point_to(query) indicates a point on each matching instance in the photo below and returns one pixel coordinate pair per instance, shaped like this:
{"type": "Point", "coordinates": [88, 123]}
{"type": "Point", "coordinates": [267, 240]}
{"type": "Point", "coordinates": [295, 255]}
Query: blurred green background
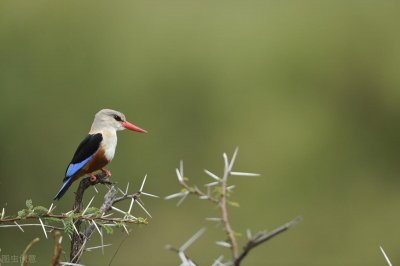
{"type": "Point", "coordinates": [309, 91]}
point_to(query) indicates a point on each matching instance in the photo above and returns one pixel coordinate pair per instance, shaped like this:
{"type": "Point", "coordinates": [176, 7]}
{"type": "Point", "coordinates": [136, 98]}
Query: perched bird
{"type": "Point", "coordinates": [97, 149]}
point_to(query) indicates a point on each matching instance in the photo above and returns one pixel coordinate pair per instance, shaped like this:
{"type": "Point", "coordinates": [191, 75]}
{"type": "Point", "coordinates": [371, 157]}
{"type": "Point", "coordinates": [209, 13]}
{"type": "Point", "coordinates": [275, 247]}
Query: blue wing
{"type": "Point", "coordinates": [75, 167]}
{"type": "Point", "coordinates": [85, 151]}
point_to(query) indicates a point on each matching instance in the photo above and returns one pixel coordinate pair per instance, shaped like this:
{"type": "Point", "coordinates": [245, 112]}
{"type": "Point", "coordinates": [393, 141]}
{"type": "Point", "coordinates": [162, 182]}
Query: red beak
{"type": "Point", "coordinates": [132, 127]}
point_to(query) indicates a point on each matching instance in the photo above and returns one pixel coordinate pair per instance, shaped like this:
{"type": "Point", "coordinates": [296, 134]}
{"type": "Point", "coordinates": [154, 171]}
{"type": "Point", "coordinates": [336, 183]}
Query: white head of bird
{"type": "Point", "coordinates": [107, 119]}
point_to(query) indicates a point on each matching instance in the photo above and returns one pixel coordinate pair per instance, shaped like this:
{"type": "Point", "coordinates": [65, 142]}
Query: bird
{"type": "Point", "coordinates": [97, 149]}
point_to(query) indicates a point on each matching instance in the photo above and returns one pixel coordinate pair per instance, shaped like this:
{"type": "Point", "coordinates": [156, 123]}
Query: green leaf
{"type": "Point", "coordinates": [108, 229]}
{"type": "Point", "coordinates": [234, 204]}
{"type": "Point", "coordinates": [68, 227]}
{"type": "Point", "coordinates": [29, 204]}
{"type": "Point", "coordinates": [142, 220]}
{"type": "Point", "coordinates": [23, 213]}
{"type": "Point", "coordinates": [40, 210]}
{"type": "Point", "coordinates": [92, 211]}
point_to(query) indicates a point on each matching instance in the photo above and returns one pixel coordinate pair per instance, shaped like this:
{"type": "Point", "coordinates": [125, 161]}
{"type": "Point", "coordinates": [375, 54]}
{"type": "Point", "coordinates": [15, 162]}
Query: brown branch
{"type": "Point", "coordinates": [55, 259]}
{"type": "Point", "coordinates": [225, 219]}
{"type": "Point", "coordinates": [78, 240]}
{"type": "Point", "coordinates": [24, 260]}
{"type": "Point", "coordinates": [108, 202]}
{"type": "Point", "coordinates": [262, 237]}
{"type": "Point", "coordinates": [81, 217]}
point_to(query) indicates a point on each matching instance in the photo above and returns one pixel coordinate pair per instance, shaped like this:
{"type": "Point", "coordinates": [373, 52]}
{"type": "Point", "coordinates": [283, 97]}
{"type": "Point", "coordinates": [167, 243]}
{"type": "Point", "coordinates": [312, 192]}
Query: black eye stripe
{"type": "Point", "coordinates": [117, 117]}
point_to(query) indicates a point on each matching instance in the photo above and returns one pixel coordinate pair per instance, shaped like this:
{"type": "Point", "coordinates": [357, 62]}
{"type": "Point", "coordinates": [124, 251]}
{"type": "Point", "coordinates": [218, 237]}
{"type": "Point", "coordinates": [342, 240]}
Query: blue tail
{"type": "Point", "coordinates": [64, 188]}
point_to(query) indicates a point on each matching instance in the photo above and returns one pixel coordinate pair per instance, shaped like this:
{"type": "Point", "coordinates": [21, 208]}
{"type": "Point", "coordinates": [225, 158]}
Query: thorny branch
{"type": "Point", "coordinates": [79, 239]}
{"type": "Point", "coordinates": [220, 197]}
{"type": "Point", "coordinates": [262, 237]}
{"type": "Point", "coordinates": [95, 218]}
{"type": "Point", "coordinates": [223, 205]}
{"type": "Point", "coordinates": [64, 216]}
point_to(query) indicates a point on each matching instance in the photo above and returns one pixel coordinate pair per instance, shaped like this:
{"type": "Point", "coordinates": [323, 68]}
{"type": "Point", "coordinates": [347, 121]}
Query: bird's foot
{"type": "Point", "coordinates": [93, 178]}
{"type": "Point", "coordinates": [106, 172]}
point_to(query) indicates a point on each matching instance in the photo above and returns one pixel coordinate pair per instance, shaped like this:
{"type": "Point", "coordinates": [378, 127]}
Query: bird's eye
{"type": "Point", "coordinates": [117, 117]}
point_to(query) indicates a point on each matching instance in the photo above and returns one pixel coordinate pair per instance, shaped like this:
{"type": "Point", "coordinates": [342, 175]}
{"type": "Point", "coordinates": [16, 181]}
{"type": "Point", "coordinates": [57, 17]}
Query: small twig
{"type": "Point", "coordinates": [24, 259]}
{"type": "Point", "coordinates": [119, 246]}
{"type": "Point", "coordinates": [22, 225]}
{"type": "Point", "coordinates": [262, 237]}
{"type": "Point", "coordinates": [224, 208]}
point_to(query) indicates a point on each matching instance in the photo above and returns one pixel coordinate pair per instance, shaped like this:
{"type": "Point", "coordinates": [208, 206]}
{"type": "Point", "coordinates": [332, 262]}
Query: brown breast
{"type": "Point", "coordinates": [97, 162]}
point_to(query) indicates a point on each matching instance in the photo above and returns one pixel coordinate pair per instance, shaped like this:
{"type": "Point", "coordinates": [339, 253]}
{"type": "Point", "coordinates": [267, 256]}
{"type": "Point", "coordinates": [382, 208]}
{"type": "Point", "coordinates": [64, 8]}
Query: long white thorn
{"type": "Point", "coordinates": [120, 190]}
{"type": "Point", "coordinates": [148, 194]}
{"type": "Point", "coordinates": [192, 239]}
{"type": "Point", "coordinates": [95, 189]}
{"type": "Point", "coordinates": [107, 215]}
{"type": "Point", "coordinates": [233, 158]}
{"type": "Point", "coordinates": [70, 263]}
{"type": "Point", "coordinates": [130, 206]}
{"type": "Point", "coordinates": [223, 244]}
{"type": "Point", "coordinates": [126, 190]}
{"type": "Point", "coordinates": [211, 184]}
{"type": "Point", "coordinates": [178, 174]}
{"type": "Point", "coordinates": [183, 198]}
{"type": "Point", "coordinates": [2, 213]}
{"type": "Point", "coordinates": [230, 188]}
{"type": "Point", "coordinates": [183, 258]}
{"type": "Point", "coordinates": [44, 229]}
{"type": "Point", "coordinates": [97, 228]}
{"type": "Point", "coordinates": [126, 230]}
{"type": "Point", "coordinates": [226, 161]}
{"type": "Point", "coordinates": [76, 230]}
{"type": "Point", "coordinates": [213, 219]}
{"type": "Point", "coordinates": [244, 174]}
{"type": "Point", "coordinates": [118, 210]}
{"type": "Point", "coordinates": [386, 257]}
{"type": "Point", "coordinates": [181, 167]}
{"type": "Point", "coordinates": [144, 209]}
{"type": "Point", "coordinates": [144, 181]}
{"type": "Point", "coordinates": [212, 175]}
{"type": "Point", "coordinates": [50, 208]}
{"type": "Point", "coordinates": [97, 247]}
{"type": "Point", "coordinates": [218, 262]}
{"type": "Point", "coordinates": [175, 195]}
{"type": "Point", "coordinates": [248, 233]}
{"type": "Point", "coordinates": [20, 228]}
{"type": "Point", "coordinates": [87, 207]}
